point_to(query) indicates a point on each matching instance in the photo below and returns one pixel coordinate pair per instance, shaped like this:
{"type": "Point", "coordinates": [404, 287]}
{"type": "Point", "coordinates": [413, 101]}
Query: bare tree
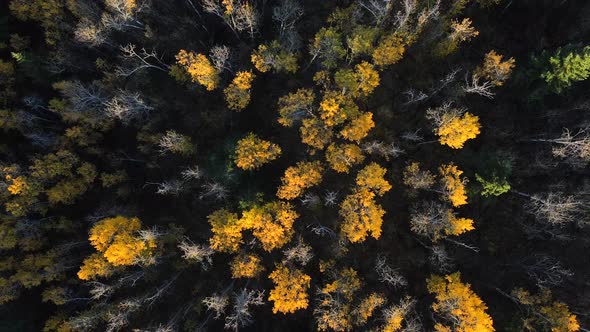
{"type": "Point", "coordinates": [192, 173]}
{"type": "Point", "coordinates": [99, 290]}
{"type": "Point", "coordinates": [241, 315]}
{"type": "Point", "coordinates": [300, 253]}
{"type": "Point", "coordinates": [215, 190]}
{"type": "Point", "coordinates": [122, 14]}
{"type": "Point", "coordinates": [476, 85]}
{"type": "Point", "coordinates": [556, 208]}
{"type": "Point", "coordinates": [126, 107]}
{"type": "Point", "coordinates": [378, 9]}
{"type": "Point", "coordinates": [546, 271]}
{"type": "Point", "coordinates": [196, 252]}
{"type": "Point", "coordinates": [286, 14]}
{"type": "Point", "coordinates": [221, 58]}
{"type": "Point", "coordinates": [176, 143]}
{"type": "Point", "coordinates": [412, 136]}
{"type": "Point", "coordinates": [386, 151]}
{"type": "Point", "coordinates": [389, 275]}
{"type": "Point", "coordinates": [242, 16]}
{"type": "Point", "coordinates": [440, 258]}
{"type": "Point", "coordinates": [89, 32]}
{"type": "Point", "coordinates": [573, 147]}
{"type": "Point", "coordinates": [310, 200]}
{"type": "Point", "coordinates": [330, 198]}
{"type": "Point", "coordinates": [169, 187]}
{"type": "Point", "coordinates": [140, 60]}
{"type": "Point", "coordinates": [216, 303]}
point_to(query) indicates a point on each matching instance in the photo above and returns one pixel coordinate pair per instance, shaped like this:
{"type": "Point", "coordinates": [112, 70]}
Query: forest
{"type": "Point", "coordinates": [295, 165]}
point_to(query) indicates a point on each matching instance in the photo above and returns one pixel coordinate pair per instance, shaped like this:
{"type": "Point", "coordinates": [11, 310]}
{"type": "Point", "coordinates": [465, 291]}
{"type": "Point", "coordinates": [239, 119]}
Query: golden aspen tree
{"type": "Point", "coordinates": [333, 311]}
{"type": "Point", "coordinates": [116, 245]}
{"type": "Point", "coordinates": [461, 31]}
{"type": "Point", "coordinates": [390, 50]}
{"type": "Point", "coordinates": [395, 315]}
{"type": "Point", "coordinates": [331, 110]}
{"type": "Point", "coordinates": [104, 232]}
{"type": "Point", "coordinates": [295, 106]}
{"type": "Point", "coordinates": [544, 312]}
{"type": "Point", "coordinates": [494, 69]}
{"type": "Point", "coordinates": [359, 83]}
{"type": "Point", "coordinates": [460, 308]}
{"type": "Point", "coordinates": [361, 216]}
{"type": "Point", "coordinates": [297, 178]}
{"type": "Point", "coordinates": [315, 133]}
{"type": "Point", "coordinates": [367, 307]}
{"type": "Point", "coordinates": [290, 291]}
{"type": "Point", "coordinates": [271, 223]}
{"type": "Point", "coordinates": [199, 68]}
{"type": "Point", "coordinates": [455, 131]}
{"type": "Point", "coordinates": [245, 266]}
{"type": "Point", "coordinates": [253, 152]}
{"type": "Point", "coordinates": [358, 128]}
{"type": "Point", "coordinates": [95, 266]}
{"type": "Point", "coordinates": [273, 56]}
{"type": "Point", "coordinates": [343, 156]}
{"type": "Point", "coordinates": [237, 94]}
{"type": "Point", "coordinates": [327, 46]}
{"type": "Point", "coordinates": [372, 177]}
{"type": "Point", "coordinates": [226, 229]}
{"type": "Point", "coordinates": [361, 41]}
{"type": "Point", "coordinates": [453, 184]}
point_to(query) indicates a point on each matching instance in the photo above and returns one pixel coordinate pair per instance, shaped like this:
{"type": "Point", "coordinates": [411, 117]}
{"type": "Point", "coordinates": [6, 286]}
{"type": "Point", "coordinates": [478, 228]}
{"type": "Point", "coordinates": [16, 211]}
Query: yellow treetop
{"type": "Point", "coordinates": [95, 266]}
{"type": "Point", "coordinates": [124, 250]}
{"type": "Point", "coordinates": [237, 94]}
{"type": "Point", "coordinates": [463, 31]}
{"type": "Point", "coordinates": [227, 231]}
{"type": "Point", "coordinates": [345, 285]}
{"type": "Point", "coordinates": [330, 110]}
{"type": "Point", "coordinates": [367, 307]}
{"type": "Point", "coordinates": [456, 130]}
{"type": "Point", "coordinates": [494, 69]}
{"type": "Point", "coordinates": [390, 50]}
{"type": "Point", "coordinates": [360, 82]}
{"type": "Point", "coordinates": [358, 128]}
{"type": "Point", "coordinates": [290, 291]}
{"type": "Point", "coordinates": [372, 178]}
{"type": "Point", "coordinates": [295, 106]}
{"type": "Point", "coordinates": [298, 178]}
{"type": "Point", "coordinates": [273, 56]}
{"type": "Point", "coordinates": [105, 231]}
{"type": "Point", "coordinates": [454, 185]}
{"type": "Point", "coordinates": [272, 223]}
{"type": "Point", "coordinates": [343, 156]}
{"type": "Point", "coordinates": [113, 237]}
{"type": "Point", "coordinates": [253, 152]}
{"type": "Point", "coordinates": [246, 266]}
{"type": "Point", "coordinates": [199, 68]}
{"type": "Point", "coordinates": [18, 185]}
{"type": "Point", "coordinates": [362, 216]}
{"type": "Point", "coordinates": [461, 308]}
{"type": "Point", "coordinates": [458, 226]}
{"type": "Point", "coordinates": [548, 314]}
{"type": "Point", "coordinates": [315, 133]}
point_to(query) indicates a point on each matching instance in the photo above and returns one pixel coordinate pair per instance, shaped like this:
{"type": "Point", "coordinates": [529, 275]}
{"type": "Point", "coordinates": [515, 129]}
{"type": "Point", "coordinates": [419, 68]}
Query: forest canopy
{"type": "Point", "coordinates": [294, 165]}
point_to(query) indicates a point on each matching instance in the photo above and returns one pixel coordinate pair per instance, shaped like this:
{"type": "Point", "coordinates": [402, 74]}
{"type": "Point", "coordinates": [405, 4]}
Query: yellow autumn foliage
{"type": "Point", "coordinates": [361, 216]}
{"type": "Point", "coordinates": [372, 178]}
{"type": "Point", "coordinates": [253, 152]}
{"type": "Point", "coordinates": [343, 156]}
{"type": "Point", "coordinates": [315, 133]}
{"type": "Point", "coordinates": [458, 305]}
{"type": "Point", "coordinates": [454, 132]}
{"type": "Point", "coordinates": [358, 128]}
{"type": "Point", "coordinates": [227, 231]}
{"type": "Point", "coordinates": [271, 223]}
{"type": "Point", "coordinates": [245, 266]}
{"type": "Point", "coordinates": [199, 68]}
{"type": "Point", "coordinates": [297, 178]}
{"type": "Point", "coordinates": [237, 93]}
{"type": "Point", "coordinates": [290, 291]}
{"type": "Point", "coordinates": [454, 185]}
